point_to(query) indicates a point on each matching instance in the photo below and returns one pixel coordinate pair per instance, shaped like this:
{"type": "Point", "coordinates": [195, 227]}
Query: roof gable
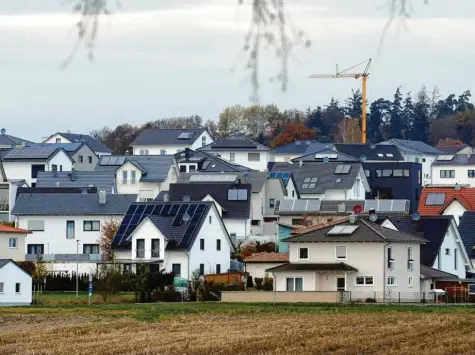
{"type": "Point", "coordinates": [164, 137]}
{"type": "Point", "coordinates": [417, 147]}
{"type": "Point", "coordinates": [33, 154]}
{"type": "Point", "coordinates": [7, 140]}
{"type": "Point", "coordinates": [236, 141]}
{"type": "Point", "coordinates": [372, 152]}
{"type": "Point", "coordinates": [208, 162]}
{"type": "Point", "coordinates": [94, 144]}
{"type": "Point", "coordinates": [4, 262]}
{"type": "Point", "coordinates": [299, 147]}
{"type": "Point", "coordinates": [467, 232]}
{"type": "Point", "coordinates": [466, 196]}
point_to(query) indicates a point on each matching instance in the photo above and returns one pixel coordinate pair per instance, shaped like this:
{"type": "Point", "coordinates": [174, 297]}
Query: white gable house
{"type": "Point", "coordinates": [15, 284]}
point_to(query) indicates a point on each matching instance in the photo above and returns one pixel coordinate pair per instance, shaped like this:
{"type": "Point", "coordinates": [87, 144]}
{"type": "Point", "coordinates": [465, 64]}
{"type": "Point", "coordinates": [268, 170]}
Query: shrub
{"type": "Point", "coordinates": [259, 283]}
{"type": "Point", "coordinates": [268, 283]}
{"type": "Point", "coordinates": [370, 300]}
{"type": "Point", "coordinates": [249, 284]}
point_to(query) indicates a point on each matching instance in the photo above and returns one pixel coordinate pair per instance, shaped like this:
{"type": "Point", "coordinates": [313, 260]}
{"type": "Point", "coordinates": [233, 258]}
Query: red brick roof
{"type": "Point", "coordinates": [8, 229]}
{"type": "Point", "coordinates": [466, 196]}
{"type": "Point", "coordinates": [318, 226]}
{"type": "Point", "coordinates": [268, 258]}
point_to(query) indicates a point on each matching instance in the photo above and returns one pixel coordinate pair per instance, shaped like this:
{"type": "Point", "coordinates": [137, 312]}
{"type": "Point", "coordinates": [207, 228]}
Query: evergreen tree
{"type": "Point", "coordinates": [331, 117]}
{"type": "Point", "coordinates": [420, 126]}
{"type": "Point", "coordinates": [377, 118]}
{"type": "Point", "coordinates": [353, 108]}
{"type": "Point", "coordinates": [407, 116]}
{"type": "Point", "coordinates": [314, 119]}
{"type": "Point", "coordinates": [463, 102]}
{"type": "Point", "coordinates": [395, 120]}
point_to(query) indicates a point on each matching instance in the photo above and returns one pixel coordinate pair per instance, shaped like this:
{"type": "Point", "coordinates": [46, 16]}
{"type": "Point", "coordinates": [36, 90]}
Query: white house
{"type": "Point", "coordinates": [170, 141]}
{"type": "Point", "coordinates": [286, 153]}
{"type": "Point", "coordinates": [12, 242]}
{"type": "Point", "coordinates": [417, 152]}
{"type": "Point", "coordinates": [327, 181]}
{"type": "Point", "coordinates": [84, 157]}
{"type": "Point", "coordinates": [454, 169]}
{"type": "Point", "coordinates": [181, 237]}
{"type": "Point", "coordinates": [66, 226]}
{"type": "Point", "coordinates": [25, 163]}
{"type": "Point", "coordinates": [257, 264]}
{"type": "Point", "coordinates": [68, 137]}
{"type": "Point", "coordinates": [15, 284]}
{"type": "Point", "coordinates": [360, 257]}
{"type": "Point", "coordinates": [240, 150]}
{"type": "Point", "coordinates": [445, 250]}
{"type": "Point", "coordinates": [199, 161]}
{"type": "Point", "coordinates": [144, 175]}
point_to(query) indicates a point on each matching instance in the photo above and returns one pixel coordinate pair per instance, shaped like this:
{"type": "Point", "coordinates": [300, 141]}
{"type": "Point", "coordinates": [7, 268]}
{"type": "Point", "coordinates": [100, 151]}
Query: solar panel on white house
{"type": "Point", "coordinates": [212, 177]}
{"type": "Point", "coordinates": [314, 205]}
{"type": "Point", "coordinates": [342, 230]}
{"type": "Point", "coordinates": [435, 198]}
{"type": "Point", "coordinates": [346, 169]}
{"type": "Point", "coordinates": [338, 169]}
{"type": "Point", "coordinates": [300, 205]}
{"type": "Point", "coordinates": [287, 205]}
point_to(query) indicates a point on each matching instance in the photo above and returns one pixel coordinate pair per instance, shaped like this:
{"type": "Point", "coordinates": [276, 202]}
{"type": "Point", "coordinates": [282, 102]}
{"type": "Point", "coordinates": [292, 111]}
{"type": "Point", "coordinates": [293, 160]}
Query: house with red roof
{"type": "Point", "coordinates": [12, 242]}
{"type": "Point", "coordinates": [257, 264]}
{"type": "Point", "coordinates": [449, 200]}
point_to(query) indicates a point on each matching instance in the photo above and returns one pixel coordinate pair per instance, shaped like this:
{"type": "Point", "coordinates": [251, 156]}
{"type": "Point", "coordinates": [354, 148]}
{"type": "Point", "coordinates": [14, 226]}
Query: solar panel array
{"type": "Point", "coordinates": [185, 135]}
{"type": "Point", "coordinates": [330, 156]}
{"type": "Point", "coordinates": [284, 176]}
{"type": "Point", "coordinates": [291, 205]}
{"type": "Point", "coordinates": [435, 199]}
{"type": "Point", "coordinates": [31, 153]}
{"type": "Point", "coordinates": [294, 205]}
{"type": "Point", "coordinates": [211, 177]}
{"type": "Point", "coordinates": [112, 160]}
{"type": "Point", "coordinates": [445, 157]}
{"type": "Point", "coordinates": [342, 230]}
{"type": "Point", "coordinates": [343, 169]}
{"type": "Point", "coordinates": [385, 205]}
{"type": "Point", "coordinates": [137, 212]}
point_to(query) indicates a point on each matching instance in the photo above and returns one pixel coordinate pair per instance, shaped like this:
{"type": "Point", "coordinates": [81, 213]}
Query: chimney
{"type": "Point", "coordinates": [23, 144]}
{"type": "Point", "coordinates": [58, 184]}
{"type": "Point", "coordinates": [102, 197]}
{"type": "Point", "coordinates": [187, 153]}
{"type": "Point", "coordinates": [300, 163]}
{"type": "Point", "coordinates": [166, 198]}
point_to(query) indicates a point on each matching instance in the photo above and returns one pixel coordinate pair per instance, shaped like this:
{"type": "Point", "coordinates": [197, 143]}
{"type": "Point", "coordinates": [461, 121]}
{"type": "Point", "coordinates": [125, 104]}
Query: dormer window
{"type": "Point", "coordinates": [237, 195]}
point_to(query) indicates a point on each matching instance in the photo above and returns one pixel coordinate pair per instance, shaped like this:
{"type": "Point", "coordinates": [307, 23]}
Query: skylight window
{"type": "Point", "coordinates": [390, 155]}
{"type": "Point", "coordinates": [435, 198]}
{"type": "Point", "coordinates": [342, 230]}
{"type": "Point", "coordinates": [343, 169]}
{"type": "Point", "coordinates": [380, 155]}
{"type": "Point", "coordinates": [309, 183]}
{"type": "Point", "coordinates": [338, 181]}
{"type": "Point", "coordinates": [445, 157]}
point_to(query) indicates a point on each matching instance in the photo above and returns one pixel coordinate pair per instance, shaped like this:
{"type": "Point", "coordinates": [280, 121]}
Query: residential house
{"type": "Point", "coordinates": [327, 181]}
{"type": "Point", "coordinates": [326, 156]}
{"type": "Point", "coordinates": [362, 257]}
{"type": "Point", "coordinates": [12, 242]}
{"type": "Point", "coordinates": [285, 231]}
{"type": "Point", "coordinates": [288, 181]}
{"type": "Point", "coordinates": [7, 141]}
{"type": "Point", "coordinates": [66, 226]}
{"type": "Point", "coordinates": [240, 150]}
{"type": "Point", "coordinates": [191, 161]}
{"type": "Point", "coordinates": [265, 195]}
{"type": "Point", "coordinates": [371, 153]}
{"type": "Point", "coordinates": [395, 180]}
{"type": "Point", "coordinates": [435, 279]}
{"type": "Point", "coordinates": [455, 149]}
{"type": "Point", "coordinates": [170, 141]}
{"type": "Point", "coordinates": [448, 201]}
{"type": "Point", "coordinates": [286, 153]}
{"type": "Point", "coordinates": [454, 169]}
{"type": "Point", "coordinates": [84, 157]}
{"type": "Point", "coordinates": [15, 284]}
{"type": "Point", "coordinates": [25, 163]}
{"type": "Point", "coordinates": [68, 137]}
{"type": "Point", "coordinates": [102, 180]}
{"type": "Point", "coordinates": [180, 237]}
{"type": "Point", "coordinates": [467, 233]}
{"type": "Point", "coordinates": [417, 152]}
{"type": "Point", "coordinates": [232, 199]}
{"type": "Point", "coordinates": [445, 250]}
{"type": "Point", "coordinates": [257, 264]}
{"type": "Point", "coordinates": [144, 175]}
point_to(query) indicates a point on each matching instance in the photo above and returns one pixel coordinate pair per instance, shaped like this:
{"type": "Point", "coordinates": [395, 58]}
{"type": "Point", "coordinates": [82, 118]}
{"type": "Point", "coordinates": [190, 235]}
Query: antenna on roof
{"type": "Point", "coordinates": [297, 142]}
{"type": "Point", "coordinates": [186, 198]}
{"type": "Point", "coordinates": [373, 217]}
{"type": "Point", "coordinates": [326, 159]}
{"type": "Point", "coordinates": [363, 158]}
{"type": "Point", "coordinates": [416, 216]}
{"type": "Point", "coordinates": [246, 176]}
{"type": "Point", "coordinates": [3, 131]}
{"type": "Point", "coordinates": [372, 146]}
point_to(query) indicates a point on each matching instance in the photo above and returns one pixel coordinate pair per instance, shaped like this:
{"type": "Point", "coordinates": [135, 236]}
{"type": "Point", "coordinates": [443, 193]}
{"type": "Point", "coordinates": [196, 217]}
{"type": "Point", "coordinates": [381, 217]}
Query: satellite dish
{"type": "Point", "coordinates": [373, 217]}
{"type": "Point", "coordinates": [3, 131]}
{"type": "Point", "coordinates": [186, 198]}
{"type": "Point", "coordinates": [457, 187]}
{"type": "Point", "coordinates": [246, 176]}
{"type": "Point", "coordinates": [297, 142]}
{"type": "Point", "coordinates": [372, 146]}
{"type": "Point", "coordinates": [353, 218]}
{"type": "Point", "coordinates": [363, 158]}
{"type": "Point", "coordinates": [326, 159]}
{"type": "Point", "coordinates": [416, 216]}
{"type": "Point", "coordinates": [186, 217]}
{"type": "Point", "coordinates": [357, 209]}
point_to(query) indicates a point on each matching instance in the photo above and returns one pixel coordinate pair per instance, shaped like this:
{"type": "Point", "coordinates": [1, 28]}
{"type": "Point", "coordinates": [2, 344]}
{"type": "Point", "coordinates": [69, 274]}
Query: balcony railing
{"type": "Point", "coordinates": [65, 257]}
{"type": "Point", "coordinates": [149, 253]}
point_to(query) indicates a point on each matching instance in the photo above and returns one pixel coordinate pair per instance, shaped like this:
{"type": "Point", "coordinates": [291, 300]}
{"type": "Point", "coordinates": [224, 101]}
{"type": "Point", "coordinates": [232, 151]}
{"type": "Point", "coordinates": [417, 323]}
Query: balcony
{"type": "Point", "coordinates": [146, 253]}
{"type": "Point", "coordinates": [71, 258]}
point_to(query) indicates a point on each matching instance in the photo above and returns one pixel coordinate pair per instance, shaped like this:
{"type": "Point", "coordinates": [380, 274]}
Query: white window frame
{"type": "Point", "coordinates": [410, 281]}
{"type": "Point", "coordinates": [390, 262]}
{"type": "Point", "coordinates": [124, 177]}
{"type": "Point", "coordinates": [257, 155]}
{"type": "Point", "coordinates": [410, 259]}
{"type": "Point", "coordinates": [336, 253]}
{"type": "Point", "coordinates": [15, 243]}
{"type": "Point", "coordinates": [365, 283]}
{"type": "Point", "coordinates": [294, 283]}
{"type": "Point", "coordinates": [232, 156]}
{"type": "Point", "coordinates": [391, 284]}
{"type": "Point", "coordinates": [2, 285]}
{"type": "Point", "coordinates": [133, 177]}
{"type": "Point", "coordinates": [308, 254]}
{"type": "Point", "coordinates": [163, 152]}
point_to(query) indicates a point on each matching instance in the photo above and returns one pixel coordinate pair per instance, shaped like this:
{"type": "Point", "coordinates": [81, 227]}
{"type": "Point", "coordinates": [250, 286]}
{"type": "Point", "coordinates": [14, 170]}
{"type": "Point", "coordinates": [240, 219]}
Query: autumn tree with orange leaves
{"type": "Point", "coordinates": [108, 231]}
{"type": "Point", "coordinates": [293, 132]}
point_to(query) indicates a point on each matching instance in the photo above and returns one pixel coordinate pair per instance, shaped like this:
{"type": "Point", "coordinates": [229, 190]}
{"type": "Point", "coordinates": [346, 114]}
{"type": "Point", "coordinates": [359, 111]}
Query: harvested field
{"type": "Point", "coordinates": [233, 329]}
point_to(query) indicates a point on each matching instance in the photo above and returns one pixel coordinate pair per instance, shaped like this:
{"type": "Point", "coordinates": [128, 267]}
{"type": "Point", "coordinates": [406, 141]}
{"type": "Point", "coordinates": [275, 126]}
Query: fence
{"type": "Point", "coordinates": [283, 296]}
{"type": "Point", "coordinates": [392, 297]}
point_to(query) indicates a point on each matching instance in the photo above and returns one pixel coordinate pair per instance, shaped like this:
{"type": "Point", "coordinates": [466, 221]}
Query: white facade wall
{"type": "Point", "coordinates": [85, 152]}
{"type": "Point", "coordinates": [61, 159]}
{"type": "Point", "coordinates": [283, 158]}
{"type": "Point", "coordinates": [17, 253]}
{"type": "Point", "coordinates": [454, 209]}
{"type": "Point", "coordinates": [446, 262]}
{"type": "Point", "coordinates": [259, 269]}
{"type": "Point", "coordinates": [257, 210]}
{"type": "Point", "coordinates": [241, 158]}
{"type": "Point", "coordinates": [291, 192]}
{"type": "Point", "coordinates": [10, 275]}
{"type": "Point", "coordinates": [426, 161]}
{"type": "Point", "coordinates": [156, 149]}
{"type": "Point", "coordinates": [461, 175]}
{"type": "Point", "coordinates": [240, 228]}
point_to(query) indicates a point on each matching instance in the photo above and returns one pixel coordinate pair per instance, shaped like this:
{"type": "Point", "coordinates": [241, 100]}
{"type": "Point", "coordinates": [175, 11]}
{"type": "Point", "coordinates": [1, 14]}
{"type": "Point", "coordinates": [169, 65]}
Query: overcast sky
{"type": "Point", "coordinates": [163, 58]}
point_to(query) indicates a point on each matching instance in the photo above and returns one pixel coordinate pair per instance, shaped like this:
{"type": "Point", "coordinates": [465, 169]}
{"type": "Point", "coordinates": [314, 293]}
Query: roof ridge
{"type": "Point", "coordinates": [368, 224]}
{"type": "Point", "coordinates": [318, 227]}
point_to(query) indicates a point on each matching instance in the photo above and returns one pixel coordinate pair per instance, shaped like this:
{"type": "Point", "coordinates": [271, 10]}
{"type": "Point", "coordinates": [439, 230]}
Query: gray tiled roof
{"type": "Point", "coordinates": [312, 267]}
{"type": "Point", "coordinates": [301, 147]}
{"type": "Point", "coordinates": [209, 162]}
{"type": "Point", "coordinates": [233, 143]}
{"type": "Point", "coordinates": [7, 140]}
{"type": "Point", "coordinates": [430, 272]}
{"type": "Point", "coordinates": [451, 149]}
{"type": "Point", "coordinates": [71, 204]}
{"type": "Point", "coordinates": [68, 147]}
{"type": "Point", "coordinates": [155, 166]}
{"type": "Point", "coordinates": [458, 159]}
{"type": "Point", "coordinates": [103, 180]}
{"type": "Point", "coordinates": [31, 153]}
{"type": "Point", "coordinates": [95, 145]}
{"type": "Point", "coordinates": [366, 232]}
{"type": "Point", "coordinates": [371, 151]}
{"type": "Point", "coordinates": [257, 179]}
{"type": "Point", "coordinates": [467, 232]}
{"type": "Point", "coordinates": [413, 146]}
{"type": "Point", "coordinates": [327, 179]}
{"type": "Point", "coordinates": [341, 157]}
{"type": "Point", "coordinates": [4, 262]}
{"type": "Point", "coordinates": [167, 136]}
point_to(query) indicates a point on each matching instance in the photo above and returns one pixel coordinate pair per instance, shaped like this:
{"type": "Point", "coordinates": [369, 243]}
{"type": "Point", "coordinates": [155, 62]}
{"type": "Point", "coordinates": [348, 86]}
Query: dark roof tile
{"type": "Point", "coordinates": [168, 136]}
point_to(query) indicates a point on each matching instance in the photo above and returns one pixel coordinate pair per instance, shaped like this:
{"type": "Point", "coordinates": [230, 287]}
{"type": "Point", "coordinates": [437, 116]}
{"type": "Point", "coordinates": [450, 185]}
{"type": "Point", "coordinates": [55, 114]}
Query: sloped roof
{"type": "Point", "coordinates": [31, 153]}
{"type": "Point", "coordinates": [234, 143]}
{"type": "Point", "coordinates": [95, 145]}
{"type": "Point", "coordinates": [300, 147]}
{"type": "Point", "coordinates": [451, 149]}
{"type": "Point", "coordinates": [466, 196]}
{"type": "Point", "coordinates": [413, 146]}
{"type": "Point", "coordinates": [366, 232]}
{"type": "Point", "coordinates": [373, 152]}
{"type": "Point", "coordinates": [208, 162]}
{"type": "Point", "coordinates": [457, 160]}
{"type": "Point", "coordinates": [6, 139]}
{"type": "Point", "coordinates": [312, 267]}
{"type": "Point", "coordinates": [312, 157]}
{"type": "Point", "coordinates": [431, 228]}
{"type": "Point", "coordinates": [9, 229]}
{"type": "Point", "coordinates": [257, 179]}
{"type": "Point", "coordinates": [168, 136]}
{"type": "Point", "coordinates": [218, 191]}
{"type": "Point", "coordinates": [267, 258]}
{"type": "Point", "coordinates": [430, 272]}
{"type": "Point", "coordinates": [155, 166]}
{"type": "Point", "coordinates": [103, 180]}
{"type": "Point", "coordinates": [467, 232]}
{"type": "Point", "coordinates": [71, 204]}
{"type": "Point", "coordinates": [327, 179]}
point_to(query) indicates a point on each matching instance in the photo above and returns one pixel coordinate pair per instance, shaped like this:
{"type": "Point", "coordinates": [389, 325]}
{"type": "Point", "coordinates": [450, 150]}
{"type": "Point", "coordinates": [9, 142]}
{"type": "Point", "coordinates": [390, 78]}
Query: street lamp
{"type": "Point", "coordinates": [77, 268]}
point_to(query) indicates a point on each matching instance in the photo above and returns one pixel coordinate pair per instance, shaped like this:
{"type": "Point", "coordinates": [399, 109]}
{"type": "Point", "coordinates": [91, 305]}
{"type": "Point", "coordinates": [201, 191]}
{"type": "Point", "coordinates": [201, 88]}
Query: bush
{"type": "Point", "coordinates": [259, 283]}
{"type": "Point", "coordinates": [370, 300]}
{"type": "Point", "coordinates": [28, 266]}
{"type": "Point", "coordinates": [268, 283]}
{"type": "Point", "coordinates": [249, 284]}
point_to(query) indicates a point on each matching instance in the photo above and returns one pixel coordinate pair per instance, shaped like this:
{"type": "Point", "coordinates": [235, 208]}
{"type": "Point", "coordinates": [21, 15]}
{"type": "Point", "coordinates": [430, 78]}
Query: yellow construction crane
{"type": "Point", "coordinates": [364, 76]}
